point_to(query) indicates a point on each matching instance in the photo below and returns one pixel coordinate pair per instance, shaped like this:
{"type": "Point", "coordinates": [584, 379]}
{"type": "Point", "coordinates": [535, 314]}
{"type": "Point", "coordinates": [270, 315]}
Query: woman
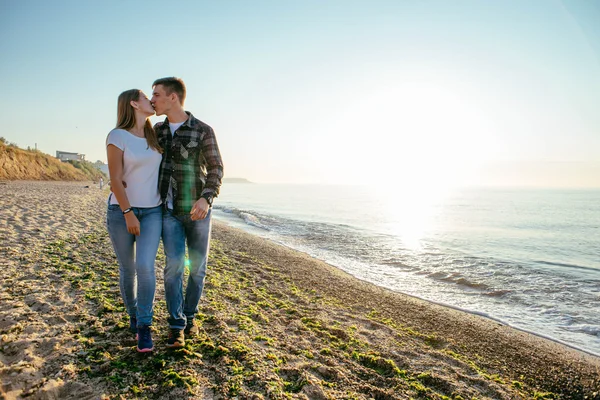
{"type": "Point", "coordinates": [134, 213]}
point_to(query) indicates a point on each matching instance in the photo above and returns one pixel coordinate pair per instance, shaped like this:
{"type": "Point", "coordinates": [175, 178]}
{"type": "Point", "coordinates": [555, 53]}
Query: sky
{"type": "Point", "coordinates": [403, 92]}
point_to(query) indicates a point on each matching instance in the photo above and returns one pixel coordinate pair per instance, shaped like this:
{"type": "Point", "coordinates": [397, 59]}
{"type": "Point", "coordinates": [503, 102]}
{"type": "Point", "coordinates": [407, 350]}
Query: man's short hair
{"type": "Point", "coordinates": [172, 85]}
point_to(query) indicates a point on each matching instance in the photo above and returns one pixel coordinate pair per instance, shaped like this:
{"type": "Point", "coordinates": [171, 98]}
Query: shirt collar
{"type": "Point", "coordinates": [188, 122]}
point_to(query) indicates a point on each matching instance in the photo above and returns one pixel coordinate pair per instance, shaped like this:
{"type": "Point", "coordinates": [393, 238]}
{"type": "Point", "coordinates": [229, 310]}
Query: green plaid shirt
{"type": "Point", "coordinates": [191, 163]}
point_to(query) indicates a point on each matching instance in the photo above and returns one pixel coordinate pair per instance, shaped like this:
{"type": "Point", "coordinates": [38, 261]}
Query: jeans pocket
{"type": "Point", "coordinates": [114, 213]}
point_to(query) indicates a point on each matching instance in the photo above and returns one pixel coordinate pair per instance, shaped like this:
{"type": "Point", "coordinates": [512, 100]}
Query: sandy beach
{"type": "Point", "coordinates": [275, 324]}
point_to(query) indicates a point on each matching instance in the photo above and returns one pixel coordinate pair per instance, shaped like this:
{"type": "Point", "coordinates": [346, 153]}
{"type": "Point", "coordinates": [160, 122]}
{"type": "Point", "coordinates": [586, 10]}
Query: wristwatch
{"type": "Point", "coordinates": [208, 197]}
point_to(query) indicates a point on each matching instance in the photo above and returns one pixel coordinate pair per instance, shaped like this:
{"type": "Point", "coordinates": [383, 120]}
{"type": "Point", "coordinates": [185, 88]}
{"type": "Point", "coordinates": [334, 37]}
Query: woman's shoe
{"type": "Point", "coordinates": [144, 341]}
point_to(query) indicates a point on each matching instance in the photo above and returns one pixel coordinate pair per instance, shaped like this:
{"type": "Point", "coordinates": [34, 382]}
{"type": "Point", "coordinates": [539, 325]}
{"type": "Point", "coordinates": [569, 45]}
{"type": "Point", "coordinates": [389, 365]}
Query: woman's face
{"type": "Point", "coordinates": [144, 105]}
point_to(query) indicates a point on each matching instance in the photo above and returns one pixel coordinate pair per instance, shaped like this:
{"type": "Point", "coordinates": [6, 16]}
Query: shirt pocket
{"type": "Point", "coordinates": [188, 149]}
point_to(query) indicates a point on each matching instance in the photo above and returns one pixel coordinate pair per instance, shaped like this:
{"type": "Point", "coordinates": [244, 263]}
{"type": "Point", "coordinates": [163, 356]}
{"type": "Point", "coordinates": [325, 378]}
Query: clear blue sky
{"type": "Point", "coordinates": [504, 92]}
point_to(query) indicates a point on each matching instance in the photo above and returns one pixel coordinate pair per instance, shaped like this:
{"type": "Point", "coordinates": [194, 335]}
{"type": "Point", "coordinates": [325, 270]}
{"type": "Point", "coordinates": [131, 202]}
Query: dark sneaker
{"type": "Point", "coordinates": [144, 343]}
{"type": "Point", "coordinates": [176, 338]}
{"type": "Point", "coordinates": [133, 324]}
{"type": "Point", "coordinates": [191, 329]}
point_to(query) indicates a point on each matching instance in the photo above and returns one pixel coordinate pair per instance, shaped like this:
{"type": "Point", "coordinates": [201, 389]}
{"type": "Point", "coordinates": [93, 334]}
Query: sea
{"type": "Point", "coordinates": [528, 258]}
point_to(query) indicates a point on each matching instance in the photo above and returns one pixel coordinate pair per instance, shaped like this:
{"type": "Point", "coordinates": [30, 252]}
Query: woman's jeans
{"type": "Point", "coordinates": [177, 230]}
{"type": "Point", "coordinates": [136, 256]}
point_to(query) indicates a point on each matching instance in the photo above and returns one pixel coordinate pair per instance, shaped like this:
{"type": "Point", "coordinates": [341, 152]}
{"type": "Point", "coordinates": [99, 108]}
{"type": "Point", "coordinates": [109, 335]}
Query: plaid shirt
{"type": "Point", "coordinates": [191, 163]}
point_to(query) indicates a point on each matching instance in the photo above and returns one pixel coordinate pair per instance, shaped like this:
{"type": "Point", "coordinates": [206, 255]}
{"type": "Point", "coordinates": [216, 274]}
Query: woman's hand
{"type": "Point", "coordinates": [133, 225]}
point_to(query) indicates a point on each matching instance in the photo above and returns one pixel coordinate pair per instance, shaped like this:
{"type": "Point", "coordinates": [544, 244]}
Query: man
{"type": "Point", "coordinates": [190, 177]}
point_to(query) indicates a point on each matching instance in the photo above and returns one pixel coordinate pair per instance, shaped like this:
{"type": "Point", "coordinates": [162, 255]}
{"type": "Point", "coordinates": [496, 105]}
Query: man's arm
{"type": "Point", "coordinates": [214, 174]}
{"type": "Point", "coordinates": [214, 163]}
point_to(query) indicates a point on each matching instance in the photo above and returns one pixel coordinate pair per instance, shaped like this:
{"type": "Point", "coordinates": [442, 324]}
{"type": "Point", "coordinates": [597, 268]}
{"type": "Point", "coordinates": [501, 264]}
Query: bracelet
{"type": "Point", "coordinates": [126, 211]}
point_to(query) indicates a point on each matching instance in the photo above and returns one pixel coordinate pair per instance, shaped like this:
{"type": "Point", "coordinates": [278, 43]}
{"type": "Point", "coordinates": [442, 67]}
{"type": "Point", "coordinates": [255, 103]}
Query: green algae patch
{"type": "Point", "coordinates": [382, 365]}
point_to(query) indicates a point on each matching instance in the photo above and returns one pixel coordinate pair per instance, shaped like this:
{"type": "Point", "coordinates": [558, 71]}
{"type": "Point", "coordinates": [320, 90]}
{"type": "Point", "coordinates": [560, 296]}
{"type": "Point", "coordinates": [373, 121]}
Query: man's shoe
{"type": "Point", "coordinates": [133, 324]}
{"type": "Point", "coordinates": [144, 343]}
{"type": "Point", "coordinates": [191, 329]}
{"type": "Point", "coordinates": [176, 338]}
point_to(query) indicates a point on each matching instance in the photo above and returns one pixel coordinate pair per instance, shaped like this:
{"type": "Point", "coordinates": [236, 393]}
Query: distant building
{"type": "Point", "coordinates": [66, 156]}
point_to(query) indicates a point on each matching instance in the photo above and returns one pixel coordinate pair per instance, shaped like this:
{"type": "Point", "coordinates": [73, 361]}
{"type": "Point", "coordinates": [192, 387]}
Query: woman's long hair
{"type": "Point", "coordinates": [126, 117]}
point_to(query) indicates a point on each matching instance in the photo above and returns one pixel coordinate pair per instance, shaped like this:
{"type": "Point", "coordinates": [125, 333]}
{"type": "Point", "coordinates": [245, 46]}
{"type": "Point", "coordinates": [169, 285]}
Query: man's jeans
{"type": "Point", "coordinates": [177, 229]}
{"type": "Point", "coordinates": [136, 264]}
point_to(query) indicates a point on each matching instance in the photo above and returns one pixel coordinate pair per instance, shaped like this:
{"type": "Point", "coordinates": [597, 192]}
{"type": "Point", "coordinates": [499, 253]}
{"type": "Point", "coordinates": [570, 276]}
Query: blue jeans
{"type": "Point", "coordinates": [136, 256]}
{"type": "Point", "coordinates": [177, 229]}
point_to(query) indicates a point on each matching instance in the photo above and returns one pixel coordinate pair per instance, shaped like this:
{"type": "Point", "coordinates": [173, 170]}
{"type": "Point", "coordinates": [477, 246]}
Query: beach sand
{"type": "Point", "coordinates": [275, 323]}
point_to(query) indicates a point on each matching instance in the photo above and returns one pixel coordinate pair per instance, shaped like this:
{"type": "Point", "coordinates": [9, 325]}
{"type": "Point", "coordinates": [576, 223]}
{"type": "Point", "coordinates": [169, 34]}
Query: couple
{"type": "Point", "coordinates": [163, 183]}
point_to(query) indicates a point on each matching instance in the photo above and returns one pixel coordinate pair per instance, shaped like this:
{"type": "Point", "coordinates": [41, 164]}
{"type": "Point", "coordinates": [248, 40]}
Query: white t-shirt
{"type": "Point", "coordinates": [140, 168]}
{"type": "Point", "coordinates": [174, 126]}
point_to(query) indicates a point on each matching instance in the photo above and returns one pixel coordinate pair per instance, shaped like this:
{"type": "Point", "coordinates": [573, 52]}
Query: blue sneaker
{"type": "Point", "coordinates": [144, 341]}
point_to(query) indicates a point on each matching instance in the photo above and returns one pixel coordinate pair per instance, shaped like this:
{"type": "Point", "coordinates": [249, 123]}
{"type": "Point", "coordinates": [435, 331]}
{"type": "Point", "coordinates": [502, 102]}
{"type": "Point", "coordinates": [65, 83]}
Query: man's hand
{"type": "Point", "coordinates": [200, 209]}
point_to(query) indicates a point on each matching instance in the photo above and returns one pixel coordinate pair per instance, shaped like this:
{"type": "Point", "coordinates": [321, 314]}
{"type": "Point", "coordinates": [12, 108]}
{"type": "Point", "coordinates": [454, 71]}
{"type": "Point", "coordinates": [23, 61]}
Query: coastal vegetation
{"type": "Point", "coordinates": [33, 165]}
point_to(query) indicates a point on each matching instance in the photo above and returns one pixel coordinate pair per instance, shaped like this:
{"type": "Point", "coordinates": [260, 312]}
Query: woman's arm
{"type": "Point", "coordinates": [115, 170]}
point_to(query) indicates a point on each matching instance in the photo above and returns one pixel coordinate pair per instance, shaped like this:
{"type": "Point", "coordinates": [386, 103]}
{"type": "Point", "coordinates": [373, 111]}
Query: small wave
{"type": "Point", "coordinates": [457, 279]}
{"type": "Point", "coordinates": [592, 330]}
{"type": "Point", "coordinates": [438, 275]}
{"type": "Point", "coordinates": [557, 264]}
{"type": "Point", "coordinates": [227, 210]}
{"type": "Point", "coordinates": [497, 293]}
{"type": "Point", "coordinates": [398, 264]}
{"type": "Point", "coordinates": [251, 218]}
{"type": "Point", "coordinates": [468, 283]}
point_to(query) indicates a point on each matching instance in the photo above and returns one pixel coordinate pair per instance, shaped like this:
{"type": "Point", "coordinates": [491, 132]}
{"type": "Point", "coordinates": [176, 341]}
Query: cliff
{"type": "Point", "coordinates": [33, 165]}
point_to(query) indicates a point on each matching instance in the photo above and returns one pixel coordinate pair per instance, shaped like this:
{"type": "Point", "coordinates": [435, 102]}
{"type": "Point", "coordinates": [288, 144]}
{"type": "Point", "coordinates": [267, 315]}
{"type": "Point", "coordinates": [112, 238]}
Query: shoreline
{"type": "Point", "coordinates": [485, 316]}
{"type": "Point", "coordinates": [275, 323]}
{"type": "Point", "coordinates": [221, 225]}
{"type": "Point", "coordinates": [450, 306]}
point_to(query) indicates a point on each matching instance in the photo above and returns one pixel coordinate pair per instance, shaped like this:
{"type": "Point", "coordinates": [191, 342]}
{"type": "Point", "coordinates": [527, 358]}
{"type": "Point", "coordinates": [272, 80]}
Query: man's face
{"type": "Point", "coordinates": [160, 100]}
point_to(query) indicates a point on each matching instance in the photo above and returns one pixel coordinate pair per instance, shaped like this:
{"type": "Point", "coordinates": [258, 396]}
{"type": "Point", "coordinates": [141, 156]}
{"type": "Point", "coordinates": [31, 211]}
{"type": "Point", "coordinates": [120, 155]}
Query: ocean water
{"type": "Point", "coordinates": [529, 258]}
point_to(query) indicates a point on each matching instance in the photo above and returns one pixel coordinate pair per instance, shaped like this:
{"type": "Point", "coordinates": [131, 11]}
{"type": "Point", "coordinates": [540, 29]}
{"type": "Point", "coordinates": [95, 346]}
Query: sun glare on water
{"type": "Point", "coordinates": [430, 143]}
{"type": "Point", "coordinates": [413, 143]}
{"type": "Point", "coordinates": [411, 211]}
